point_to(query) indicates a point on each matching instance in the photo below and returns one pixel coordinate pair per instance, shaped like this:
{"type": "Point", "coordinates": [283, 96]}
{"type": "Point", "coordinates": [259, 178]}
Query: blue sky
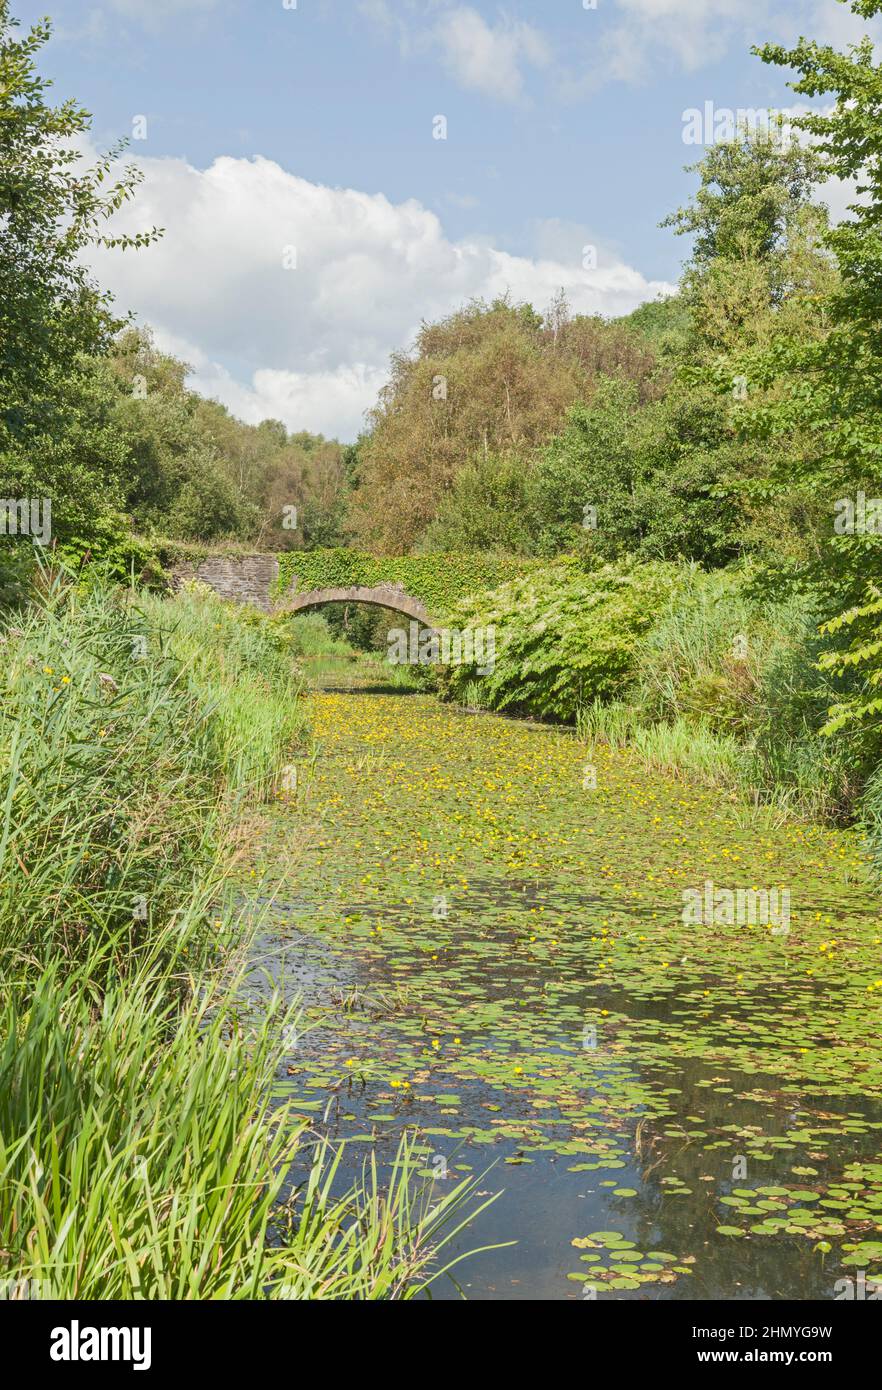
{"type": "Point", "coordinates": [270, 127]}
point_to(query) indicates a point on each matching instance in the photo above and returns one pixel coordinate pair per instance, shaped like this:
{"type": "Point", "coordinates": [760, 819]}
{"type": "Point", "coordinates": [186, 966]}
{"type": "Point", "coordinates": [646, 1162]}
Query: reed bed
{"type": "Point", "coordinates": [141, 1152]}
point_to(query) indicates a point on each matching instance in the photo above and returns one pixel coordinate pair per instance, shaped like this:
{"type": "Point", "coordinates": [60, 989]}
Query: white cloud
{"type": "Point", "coordinates": [330, 403]}
{"type": "Point", "coordinates": [646, 34]}
{"type": "Point", "coordinates": [489, 58]}
{"type": "Point", "coordinates": [621, 41]}
{"type": "Point", "coordinates": [640, 36]}
{"type": "Point", "coordinates": [311, 345]}
{"type": "Point", "coordinates": [840, 195]}
{"type": "Point", "coordinates": [697, 32]}
{"type": "Point", "coordinates": [377, 12]}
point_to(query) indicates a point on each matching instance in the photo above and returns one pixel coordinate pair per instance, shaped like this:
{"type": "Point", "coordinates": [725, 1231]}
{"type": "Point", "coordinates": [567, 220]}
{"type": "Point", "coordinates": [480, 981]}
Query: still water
{"type": "Point", "coordinates": [490, 950]}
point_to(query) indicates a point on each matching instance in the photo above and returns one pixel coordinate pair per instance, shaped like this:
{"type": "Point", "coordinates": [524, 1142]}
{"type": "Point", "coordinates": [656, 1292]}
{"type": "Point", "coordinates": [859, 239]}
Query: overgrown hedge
{"type": "Point", "coordinates": [439, 581]}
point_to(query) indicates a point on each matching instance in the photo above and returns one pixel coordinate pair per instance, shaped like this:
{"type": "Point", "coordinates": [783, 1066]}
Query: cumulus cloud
{"type": "Point", "coordinates": [621, 41]}
{"type": "Point", "coordinates": [288, 297]}
{"type": "Point", "coordinates": [332, 403]}
{"type": "Point", "coordinates": [837, 24]}
{"type": "Point", "coordinates": [491, 58]}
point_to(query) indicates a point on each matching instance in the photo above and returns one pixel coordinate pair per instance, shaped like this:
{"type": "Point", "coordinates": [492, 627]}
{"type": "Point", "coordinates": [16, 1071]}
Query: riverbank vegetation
{"type": "Point", "coordinates": [141, 1153]}
{"type": "Point", "coordinates": [685, 490]}
{"type": "Point", "coordinates": [703, 671]}
{"type": "Point", "coordinates": [666, 519]}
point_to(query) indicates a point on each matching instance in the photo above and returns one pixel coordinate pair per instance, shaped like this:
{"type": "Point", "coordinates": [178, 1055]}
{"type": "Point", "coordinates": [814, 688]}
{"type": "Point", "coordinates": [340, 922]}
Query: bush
{"type": "Point", "coordinates": [704, 658]}
{"type": "Point", "coordinates": [563, 636]}
{"type": "Point", "coordinates": [728, 661]}
{"type": "Point", "coordinates": [727, 686]}
{"type": "Point", "coordinates": [142, 1155]}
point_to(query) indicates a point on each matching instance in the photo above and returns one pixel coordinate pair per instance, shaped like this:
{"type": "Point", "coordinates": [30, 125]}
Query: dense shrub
{"type": "Point", "coordinates": [730, 662]}
{"type": "Point", "coordinates": [563, 636]}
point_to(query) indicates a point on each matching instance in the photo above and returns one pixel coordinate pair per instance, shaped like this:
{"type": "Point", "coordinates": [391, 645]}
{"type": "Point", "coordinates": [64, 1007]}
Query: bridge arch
{"type": "Point", "coordinates": [380, 596]}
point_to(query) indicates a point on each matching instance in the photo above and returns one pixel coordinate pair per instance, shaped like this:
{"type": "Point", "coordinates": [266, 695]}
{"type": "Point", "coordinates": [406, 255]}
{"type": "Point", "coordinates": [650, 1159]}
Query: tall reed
{"type": "Point", "coordinates": [141, 1154]}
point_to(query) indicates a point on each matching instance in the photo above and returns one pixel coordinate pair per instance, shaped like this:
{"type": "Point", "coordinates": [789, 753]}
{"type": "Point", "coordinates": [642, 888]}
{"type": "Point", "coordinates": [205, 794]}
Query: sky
{"type": "Point", "coordinates": [329, 173]}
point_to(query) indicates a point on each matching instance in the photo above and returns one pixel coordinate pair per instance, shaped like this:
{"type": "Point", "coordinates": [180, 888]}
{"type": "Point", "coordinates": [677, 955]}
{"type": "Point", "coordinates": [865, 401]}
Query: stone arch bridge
{"type": "Point", "coordinates": [379, 595]}
{"type": "Point", "coordinates": [423, 587]}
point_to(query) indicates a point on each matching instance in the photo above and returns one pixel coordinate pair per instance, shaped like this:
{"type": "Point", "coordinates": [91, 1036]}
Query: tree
{"type": "Point", "coordinates": [659, 481]}
{"type": "Point", "coordinates": [757, 265]}
{"type": "Point", "coordinates": [760, 279]}
{"type": "Point", "coordinates": [56, 438]}
{"type": "Point", "coordinates": [487, 508]}
{"type": "Point", "coordinates": [489, 380]}
{"type": "Point", "coordinates": [816, 389]}
{"type": "Point", "coordinates": [833, 391]}
{"type": "Point", "coordinates": [199, 473]}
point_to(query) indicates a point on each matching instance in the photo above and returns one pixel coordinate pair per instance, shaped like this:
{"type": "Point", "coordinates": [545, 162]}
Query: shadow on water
{"type": "Point", "coordinates": [375, 688]}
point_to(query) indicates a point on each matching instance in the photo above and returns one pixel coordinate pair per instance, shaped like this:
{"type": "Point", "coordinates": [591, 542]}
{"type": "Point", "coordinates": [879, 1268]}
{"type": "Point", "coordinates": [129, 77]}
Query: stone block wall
{"type": "Point", "coordinates": [242, 578]}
